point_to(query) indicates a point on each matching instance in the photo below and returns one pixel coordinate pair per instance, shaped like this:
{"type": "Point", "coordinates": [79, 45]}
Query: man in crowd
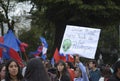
{"type": "Point", "coordinates": [116, 74]}
{"type": "Point", "coordinates": [94, 74]}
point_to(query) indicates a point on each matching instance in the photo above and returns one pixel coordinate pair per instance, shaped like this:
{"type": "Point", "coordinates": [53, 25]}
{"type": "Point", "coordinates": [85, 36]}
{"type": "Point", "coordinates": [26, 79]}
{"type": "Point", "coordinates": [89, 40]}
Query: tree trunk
{"type": "Point", "coordinates": [2, 28]}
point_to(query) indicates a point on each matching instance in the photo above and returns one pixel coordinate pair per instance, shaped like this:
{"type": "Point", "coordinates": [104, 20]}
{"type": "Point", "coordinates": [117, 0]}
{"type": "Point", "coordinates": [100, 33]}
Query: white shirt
{"type": "Point", "coordinates": [101, 79]}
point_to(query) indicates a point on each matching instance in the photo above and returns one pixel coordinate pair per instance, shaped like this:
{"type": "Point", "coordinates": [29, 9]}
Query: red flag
{"type": "Point", "coordinates": [56, 55]}
{"type": "Point", "coordinates": [70, 58]}
{"type": "Point", "coordinates": [7, 53]}
{"type": "Point", "coordinates": [15, 55]}
{"type": "Point", "coordinates": [23, 46]}
{"type": "Point", "coordinates": [1, 40]}
{"type": "Point", "coordinates": [63, 58]}
{"type": "Point", "coordinates": [0, 52]}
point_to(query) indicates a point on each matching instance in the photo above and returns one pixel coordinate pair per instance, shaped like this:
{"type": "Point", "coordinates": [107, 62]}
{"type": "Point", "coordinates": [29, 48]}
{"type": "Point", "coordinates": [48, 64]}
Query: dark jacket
{"type": "Point", "coordinates": [65, 78]}
{"type": "Point", "coordinates": [114, 78]}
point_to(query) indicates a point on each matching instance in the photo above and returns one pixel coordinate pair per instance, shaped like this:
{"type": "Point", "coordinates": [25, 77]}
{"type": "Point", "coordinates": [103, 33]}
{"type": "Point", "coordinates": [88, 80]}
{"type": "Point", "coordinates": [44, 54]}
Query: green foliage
{"type": "Point", "coordinates": [53, 15]}
{"type": "Point", "coordinates": [39, 27]}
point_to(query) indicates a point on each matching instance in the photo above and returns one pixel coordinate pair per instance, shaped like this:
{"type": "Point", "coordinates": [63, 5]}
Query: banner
{"type": "Point", "coordinates": [80, 40]}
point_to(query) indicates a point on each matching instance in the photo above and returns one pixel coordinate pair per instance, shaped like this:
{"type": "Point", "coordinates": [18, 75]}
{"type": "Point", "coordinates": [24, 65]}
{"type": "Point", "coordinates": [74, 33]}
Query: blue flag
{"type": "Point", "coordinates": [53, 61]}
{"type": "Point", "coordinates": [38, 51]}
{"type": "Point", "coordinates": [10, 40]}
{"type": "Point", "coordinates": [44, 57]}
{"type": "Point", "coordinates": [43, 40]}
{"type": "Point", "coordinates": [5, 52]}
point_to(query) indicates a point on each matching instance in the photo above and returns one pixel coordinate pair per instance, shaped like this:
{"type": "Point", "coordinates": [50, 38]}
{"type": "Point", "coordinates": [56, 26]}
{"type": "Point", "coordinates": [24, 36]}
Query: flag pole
{"type": "Point", "coordinates": [26, 57]}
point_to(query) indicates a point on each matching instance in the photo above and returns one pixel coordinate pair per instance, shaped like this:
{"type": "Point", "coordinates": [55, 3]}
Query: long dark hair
{"type": "Point", "coordinates": [35, 71]}
{"type": "Point", "coordinates": [7, 75]}
{"type": "Point", "coordinates": [65, 71]}
{"type": "Point", "coordinates": [1, 67]}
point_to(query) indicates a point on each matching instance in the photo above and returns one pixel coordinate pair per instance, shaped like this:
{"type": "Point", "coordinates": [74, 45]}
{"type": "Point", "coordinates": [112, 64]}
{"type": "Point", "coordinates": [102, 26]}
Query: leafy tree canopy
{"type": "Point", "coordinates": [103, 14]}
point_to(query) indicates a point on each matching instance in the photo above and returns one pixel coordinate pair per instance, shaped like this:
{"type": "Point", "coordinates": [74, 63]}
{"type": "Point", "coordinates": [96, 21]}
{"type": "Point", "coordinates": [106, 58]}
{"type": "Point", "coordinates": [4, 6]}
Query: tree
{"type": "Point", "coordinates": [102, 14]}
{"type": "Point", "coordinates": [1, 22]}
{"type": "Point", "coordinates": [5, 5]}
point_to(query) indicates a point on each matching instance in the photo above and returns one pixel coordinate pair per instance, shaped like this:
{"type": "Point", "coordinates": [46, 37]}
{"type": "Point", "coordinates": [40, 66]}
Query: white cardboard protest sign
{"type": "Point", "coordinates": [80, 40]}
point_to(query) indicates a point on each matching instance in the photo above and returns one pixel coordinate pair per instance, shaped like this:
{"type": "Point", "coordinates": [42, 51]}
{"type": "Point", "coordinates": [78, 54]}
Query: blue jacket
{"type": "Point", "coordinates": [95, 75]}
{"type": "Point", "coordinates": [84, 73]}
{"type": "Point", "coordinates": [78, 79]}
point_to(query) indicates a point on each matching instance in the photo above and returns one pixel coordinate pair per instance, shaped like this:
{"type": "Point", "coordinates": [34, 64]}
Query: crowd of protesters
{"type": "Point", "coordinates": [37, 69]}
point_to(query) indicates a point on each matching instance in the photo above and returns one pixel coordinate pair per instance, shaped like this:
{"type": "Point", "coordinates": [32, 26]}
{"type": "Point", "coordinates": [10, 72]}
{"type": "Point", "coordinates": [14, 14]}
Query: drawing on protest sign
{"type": "Point", "coordinates": [80, 40]}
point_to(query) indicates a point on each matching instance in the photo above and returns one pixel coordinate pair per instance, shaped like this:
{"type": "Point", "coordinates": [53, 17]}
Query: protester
{"type": "Point", "coordinates": [71, 71]}
{"type": "Point", "coordinates": [105, 73]}
{"type": "Point", "coordinates": [87, 68]}
{"type": "Point", "coordinates": [51, 70]}
{"type": "Point", "coordinates": [2, 71]}
{"type": "Point", "coordinates": [94, 74]}
{"type": "Point", "coordinates": [13, 71]}
{"type": "Point", "coordinates": [63, 74]}
{"type": "Point", "coordinates": [80, 71]}
{"type": "Point", "coordinates": [47, 65]}
{"type": "Point", "coordinates": [116, 74]}
{"type": "Point", "coordinates": [35, 71]}
{"type": "Point", "coordinates": [52, 74]}
{"type": "Point", "coordinates": [78, 74]}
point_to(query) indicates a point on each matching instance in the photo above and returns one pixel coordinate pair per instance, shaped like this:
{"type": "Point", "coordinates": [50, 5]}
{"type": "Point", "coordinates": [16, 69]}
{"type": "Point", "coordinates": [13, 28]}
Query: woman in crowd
{"type": "Point", "coordinates": [2, 71]}
{"type": "Point", "coordinates": [63, 74]}
{"type": "Point", "coordinates": [35, 71]}
{"type": "Point", "coordinates": [13, 71]}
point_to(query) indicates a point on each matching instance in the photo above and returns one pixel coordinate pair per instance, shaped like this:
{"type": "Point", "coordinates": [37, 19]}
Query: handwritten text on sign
{"type": "Point", "coordinates": [80, 40]}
